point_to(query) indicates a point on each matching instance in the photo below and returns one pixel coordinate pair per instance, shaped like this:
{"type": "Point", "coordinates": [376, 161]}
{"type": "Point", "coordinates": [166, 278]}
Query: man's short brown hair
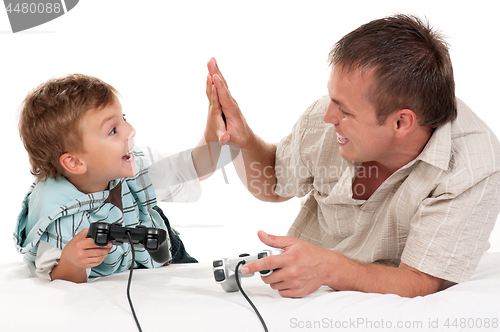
{"type": "Point", "coordinates": [411, 66]}
{"type": "Point", "coordinates": [50, 115]}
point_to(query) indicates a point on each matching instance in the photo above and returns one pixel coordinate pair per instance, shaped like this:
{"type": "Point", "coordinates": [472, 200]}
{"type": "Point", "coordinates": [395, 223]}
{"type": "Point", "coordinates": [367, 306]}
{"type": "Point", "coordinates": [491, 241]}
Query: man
{"type": "Point", "coordinates": [401, 177]}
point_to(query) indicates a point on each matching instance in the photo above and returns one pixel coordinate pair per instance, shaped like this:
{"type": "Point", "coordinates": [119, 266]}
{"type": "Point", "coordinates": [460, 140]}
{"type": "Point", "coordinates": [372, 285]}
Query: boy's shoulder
{"type": "Point", "coordinates": [50, 194]}
{"type": "Point", "coordinates": [45, 202]}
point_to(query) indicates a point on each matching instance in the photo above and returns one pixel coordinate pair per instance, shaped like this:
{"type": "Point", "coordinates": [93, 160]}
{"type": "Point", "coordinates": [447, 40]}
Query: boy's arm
{"type": "Point", "coordinates": [79, 254]}
{"type": "Point", "coordinates": [256, 159]}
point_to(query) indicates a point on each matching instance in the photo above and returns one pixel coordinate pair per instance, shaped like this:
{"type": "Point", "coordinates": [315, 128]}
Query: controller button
{"type": "Point", "coordinates": [218, 263]}
{"type": "Point", "coordinates": [101, 239]}
{"type": "Point", "coordinates": [265, 271]}
{"type": "Point", "coordinates": [261, 255]}
{"type": "Point", "coordinates": [219, 275]}
{"type": "Point", "coordinates": [152, 244]}
{"type": "Point", "coordinates": [244, 255]}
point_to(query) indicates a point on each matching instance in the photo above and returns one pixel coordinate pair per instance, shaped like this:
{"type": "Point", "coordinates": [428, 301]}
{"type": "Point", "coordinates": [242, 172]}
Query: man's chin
{"type": "Point", "coordinates": [347, 156]}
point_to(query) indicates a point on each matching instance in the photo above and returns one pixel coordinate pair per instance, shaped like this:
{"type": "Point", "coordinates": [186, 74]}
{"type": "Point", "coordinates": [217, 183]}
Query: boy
{"type": "Point", "coordinates": [82, 153]}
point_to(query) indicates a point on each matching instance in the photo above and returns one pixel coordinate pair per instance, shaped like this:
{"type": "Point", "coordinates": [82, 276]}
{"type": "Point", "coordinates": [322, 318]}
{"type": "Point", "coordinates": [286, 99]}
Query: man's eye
{"type": "Point", "coordinates": [124, 119]}
{"type": "Point", "coordinates": [113, 131]}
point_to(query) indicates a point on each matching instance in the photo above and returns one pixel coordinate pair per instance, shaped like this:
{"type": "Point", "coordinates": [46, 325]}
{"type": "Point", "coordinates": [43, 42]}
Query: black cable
{"type": "Point", "coordinates": [130, 280]}
{"type": "Point", "coordinates": [246, 297]}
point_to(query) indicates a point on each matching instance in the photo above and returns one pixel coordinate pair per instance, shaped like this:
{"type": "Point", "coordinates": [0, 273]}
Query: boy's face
{"type": "Point", "coordinates": [108, 140]}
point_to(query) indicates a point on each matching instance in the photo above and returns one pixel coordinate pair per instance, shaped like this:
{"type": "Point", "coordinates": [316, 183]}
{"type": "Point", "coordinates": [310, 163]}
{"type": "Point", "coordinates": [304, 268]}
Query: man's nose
{"type": "Point", "coordinates": [331, 114]}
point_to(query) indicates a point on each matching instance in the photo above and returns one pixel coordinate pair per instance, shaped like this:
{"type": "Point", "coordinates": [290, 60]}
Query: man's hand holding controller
{"type": "Point", "coordinates": [225, 268]}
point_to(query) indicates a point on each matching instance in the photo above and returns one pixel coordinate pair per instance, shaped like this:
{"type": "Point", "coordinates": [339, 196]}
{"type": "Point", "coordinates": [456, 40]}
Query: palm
{"type": "Point", "coordinates": [225, 118]}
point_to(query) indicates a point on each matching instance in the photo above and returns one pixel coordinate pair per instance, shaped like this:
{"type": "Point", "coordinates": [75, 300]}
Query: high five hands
{"type": "Point", "coordinates": [225, 121]}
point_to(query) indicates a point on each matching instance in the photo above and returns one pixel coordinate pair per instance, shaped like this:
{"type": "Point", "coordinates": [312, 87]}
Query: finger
{"type": "Point", "coordinates": [224, 137]}
{"type": "Point", "coordinates": [264, 264]}
{"type": "Point", "coordinates": [208, 88]}
{"type": "Point", "coordinates": [224, 96]}
{"type": "Point", "coordinates": [92, 262]}
{"type": "Point", "coordinates": [83, 242]}
{"type": "Point", "coordinates": [213, 69]}
{"type": "Point", "coordinates": [81, 234]}
{"type": "Point", "coordinates": [292, 293]}
{"type": "Point", "coordinates": [219, 72]}
{"type": "Point", "coordinates": [282, 242]}
{"type": "Point", "coordinates": [215, 109]}
{"type": "Point", "coordinates": [288, 288]}
{"type": "Point", "coordinates": [97, 253]}
{"type": "Point", "coordinates": [89, 246]}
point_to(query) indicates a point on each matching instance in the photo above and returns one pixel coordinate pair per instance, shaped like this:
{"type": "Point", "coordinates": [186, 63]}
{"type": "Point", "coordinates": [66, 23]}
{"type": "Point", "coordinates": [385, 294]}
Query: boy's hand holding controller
{"type": "Point", "coordinates": [79, 254]}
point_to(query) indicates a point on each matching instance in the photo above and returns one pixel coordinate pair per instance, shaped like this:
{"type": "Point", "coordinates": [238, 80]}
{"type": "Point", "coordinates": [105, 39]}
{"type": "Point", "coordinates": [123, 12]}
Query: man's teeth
{"type": "Point", "coordinates": [342, 139]}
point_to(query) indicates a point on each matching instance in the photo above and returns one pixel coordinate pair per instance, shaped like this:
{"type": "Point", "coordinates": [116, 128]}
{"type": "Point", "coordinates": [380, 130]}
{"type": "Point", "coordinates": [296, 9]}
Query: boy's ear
{"type": "Point", "coordinates": [72, 164]}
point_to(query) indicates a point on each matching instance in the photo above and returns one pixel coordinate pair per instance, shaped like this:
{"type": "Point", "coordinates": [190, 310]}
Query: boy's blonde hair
{"type": "Point", "coordinates": [50, 116]}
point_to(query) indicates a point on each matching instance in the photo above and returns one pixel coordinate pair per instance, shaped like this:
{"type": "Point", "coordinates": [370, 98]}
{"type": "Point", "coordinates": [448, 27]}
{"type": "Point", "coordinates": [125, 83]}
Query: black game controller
{"type": "Point", "coordinates": [225, 269]}
{"type": "Point", "coordinates": [154, 240]}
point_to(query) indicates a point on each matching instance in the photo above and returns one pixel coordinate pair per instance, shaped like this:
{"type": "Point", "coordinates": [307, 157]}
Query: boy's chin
{"type": "Point", "coordinates": [131, 171]}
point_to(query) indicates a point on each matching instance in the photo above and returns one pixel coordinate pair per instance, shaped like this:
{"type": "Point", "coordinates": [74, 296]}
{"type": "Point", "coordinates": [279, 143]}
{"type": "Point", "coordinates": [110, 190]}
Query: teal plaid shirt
{"type": "Point", "coordinates": [54, 211]}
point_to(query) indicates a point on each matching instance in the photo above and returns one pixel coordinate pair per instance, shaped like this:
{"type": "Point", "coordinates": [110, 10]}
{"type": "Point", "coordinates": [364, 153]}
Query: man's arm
{"type": "Point", "coordinates": [255, 164]}
{"type": "Point", "coordinates": [303, 268]}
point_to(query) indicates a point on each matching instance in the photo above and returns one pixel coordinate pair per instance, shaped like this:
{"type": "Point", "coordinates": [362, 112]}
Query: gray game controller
{"type": "Point", "coordinates": [225, 268]}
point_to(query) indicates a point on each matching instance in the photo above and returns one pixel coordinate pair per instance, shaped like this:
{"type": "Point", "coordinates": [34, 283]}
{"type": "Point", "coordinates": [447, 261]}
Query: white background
{"type": "Point", "coordinates": [274, 56]}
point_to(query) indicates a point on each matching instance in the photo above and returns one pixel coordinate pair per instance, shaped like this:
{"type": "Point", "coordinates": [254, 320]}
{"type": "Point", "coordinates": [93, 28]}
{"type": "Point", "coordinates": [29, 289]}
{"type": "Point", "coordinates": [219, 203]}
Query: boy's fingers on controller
{"type": "Point", "coordinates": [82, 234]}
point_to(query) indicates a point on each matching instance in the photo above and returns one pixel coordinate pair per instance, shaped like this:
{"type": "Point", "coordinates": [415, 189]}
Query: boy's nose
{"type": "Point", "coordinates": [130, 139]}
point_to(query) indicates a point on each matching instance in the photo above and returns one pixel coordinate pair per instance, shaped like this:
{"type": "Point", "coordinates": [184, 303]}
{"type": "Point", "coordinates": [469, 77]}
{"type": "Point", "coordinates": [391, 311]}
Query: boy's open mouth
{"type": "Point", "coordinates": [128, 156]}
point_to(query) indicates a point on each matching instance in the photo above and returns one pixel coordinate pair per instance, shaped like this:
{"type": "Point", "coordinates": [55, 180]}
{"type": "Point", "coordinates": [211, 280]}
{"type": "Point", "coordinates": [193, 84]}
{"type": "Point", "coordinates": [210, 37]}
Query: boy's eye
{"type": "Point", "coordinates": [124, 119]}
{"type": "Point", "coordinates": [113, 131]}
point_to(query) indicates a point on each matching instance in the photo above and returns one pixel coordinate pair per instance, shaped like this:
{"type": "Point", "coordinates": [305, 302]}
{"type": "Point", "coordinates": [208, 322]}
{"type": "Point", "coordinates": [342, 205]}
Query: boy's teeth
{"type": "Point", "coordinates": [128, 155]}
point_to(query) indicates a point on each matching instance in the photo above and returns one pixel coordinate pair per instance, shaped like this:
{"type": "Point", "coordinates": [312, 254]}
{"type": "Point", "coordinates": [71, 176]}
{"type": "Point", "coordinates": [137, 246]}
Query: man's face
{"type": "Point", "coordinates": [108, 140]}
{"type": "Point", "coordinates": [359, 135]}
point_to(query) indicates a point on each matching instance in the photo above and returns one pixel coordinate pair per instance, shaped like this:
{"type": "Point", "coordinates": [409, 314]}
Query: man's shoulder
{"type": "Point", "coordinates": [472, 136]}
{"type": "Point", "coordinates": [474, 146]}
{"type": "Point", "coordinates": [468, 124]}
{"type": "Point", "coordinates": [315, 112]}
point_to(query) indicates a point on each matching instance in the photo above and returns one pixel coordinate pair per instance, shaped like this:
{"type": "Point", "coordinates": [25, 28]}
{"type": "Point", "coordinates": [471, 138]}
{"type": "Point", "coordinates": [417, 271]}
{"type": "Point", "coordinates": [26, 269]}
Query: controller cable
{"type": "Point", "coordinates": [130, 280]}
{"type": "Point", "coordinates": [245, 295]}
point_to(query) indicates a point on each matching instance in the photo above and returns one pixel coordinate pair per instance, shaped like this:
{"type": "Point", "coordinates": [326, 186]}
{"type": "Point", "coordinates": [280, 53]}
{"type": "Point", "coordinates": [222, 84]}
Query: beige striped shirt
{"type": "Point", "coordinates": [434, 214]}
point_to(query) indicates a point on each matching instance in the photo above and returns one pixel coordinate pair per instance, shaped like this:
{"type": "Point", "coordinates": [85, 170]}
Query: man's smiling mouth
{"type": "Point", "coordinates": [342, 139]}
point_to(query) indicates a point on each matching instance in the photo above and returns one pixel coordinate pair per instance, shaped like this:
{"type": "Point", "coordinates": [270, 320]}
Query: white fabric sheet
{"type": "Point", "coordinates": [186, 298]}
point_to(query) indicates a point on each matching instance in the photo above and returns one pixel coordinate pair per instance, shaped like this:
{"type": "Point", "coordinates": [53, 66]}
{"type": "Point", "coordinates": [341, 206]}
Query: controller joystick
{"type": "Point", "coordinates": [155, 240]}
{"type": "Point", "coordinates": [225, 268]}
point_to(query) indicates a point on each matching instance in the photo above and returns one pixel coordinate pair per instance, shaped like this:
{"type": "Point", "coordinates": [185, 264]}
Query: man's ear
{"type": "Point", "coordinates": [72, 164]}
{"type": "Point", "coordinates": [405, 122]}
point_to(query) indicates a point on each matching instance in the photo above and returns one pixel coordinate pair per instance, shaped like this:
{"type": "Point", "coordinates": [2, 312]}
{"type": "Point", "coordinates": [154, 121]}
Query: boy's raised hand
{"type": "Point", "coordinates": [79, 254]}
{"type": "Point", "coordinates": [235, 129]}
